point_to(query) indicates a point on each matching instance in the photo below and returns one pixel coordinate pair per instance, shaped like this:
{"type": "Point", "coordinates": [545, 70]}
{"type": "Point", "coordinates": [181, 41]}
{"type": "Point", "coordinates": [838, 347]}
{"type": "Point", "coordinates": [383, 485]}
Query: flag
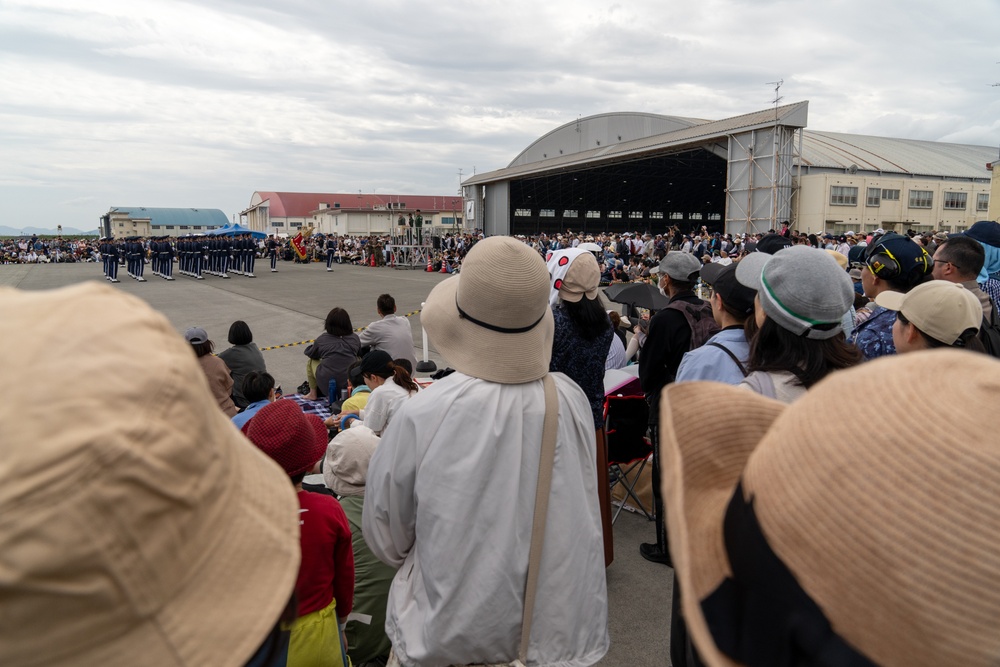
{"type": "Point", "coordinates": [299, 244]}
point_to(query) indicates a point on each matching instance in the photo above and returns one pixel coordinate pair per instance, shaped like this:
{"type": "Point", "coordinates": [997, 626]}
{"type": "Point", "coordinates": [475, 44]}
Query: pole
{"type": "Point", "coordinates": [425, 365]}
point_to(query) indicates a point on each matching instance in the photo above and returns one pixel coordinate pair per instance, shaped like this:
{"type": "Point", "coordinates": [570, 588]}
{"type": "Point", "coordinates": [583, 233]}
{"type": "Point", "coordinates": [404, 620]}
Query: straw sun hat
{"type": "Point", "coordinates": [492, 321]}
{"type": "Point", "coordinates": [804, 541]}
{"type": "Point", "coordinates": [137, 525]}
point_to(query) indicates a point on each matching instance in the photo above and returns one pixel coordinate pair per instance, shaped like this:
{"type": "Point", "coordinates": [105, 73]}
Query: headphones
{"type": "Point", "coordinates": [883, 264]}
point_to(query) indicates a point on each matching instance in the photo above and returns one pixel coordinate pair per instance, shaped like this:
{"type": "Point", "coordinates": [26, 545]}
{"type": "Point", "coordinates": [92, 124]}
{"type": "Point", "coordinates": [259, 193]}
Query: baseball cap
{"type": "Point", "coordinates": [196, 335]}
{"type": "Point", "coordinates": [941, 309]}
{"type": "Point", "coordinates": [678, 265]}
{"type": "Point", "coordinates": [772, 243]}
{"type": "Point", "coordinates": [723, 280]}
{"type": "Point", "coordinates": [984, 231]}
{"type": "Point", "coordinates": [802, 289]}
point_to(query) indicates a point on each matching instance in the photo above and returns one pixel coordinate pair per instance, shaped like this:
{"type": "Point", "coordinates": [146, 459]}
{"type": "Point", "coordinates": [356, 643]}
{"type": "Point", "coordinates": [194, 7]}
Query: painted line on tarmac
{"type": "Point", "coordinates": [313, 340]}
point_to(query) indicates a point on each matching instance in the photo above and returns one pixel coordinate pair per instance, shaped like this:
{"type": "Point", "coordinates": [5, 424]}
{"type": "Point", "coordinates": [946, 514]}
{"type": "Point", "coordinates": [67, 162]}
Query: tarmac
{"type": "Point", "coordinates": [285, 309]}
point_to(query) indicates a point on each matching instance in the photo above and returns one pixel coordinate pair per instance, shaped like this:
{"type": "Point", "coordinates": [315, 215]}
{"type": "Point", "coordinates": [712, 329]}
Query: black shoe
{"type": "Point", "coordinates": [651, 552]}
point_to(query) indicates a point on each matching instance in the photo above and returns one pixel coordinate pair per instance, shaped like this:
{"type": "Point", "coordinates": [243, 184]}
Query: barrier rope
{"type": "Point", "coordinates": [313, 340]}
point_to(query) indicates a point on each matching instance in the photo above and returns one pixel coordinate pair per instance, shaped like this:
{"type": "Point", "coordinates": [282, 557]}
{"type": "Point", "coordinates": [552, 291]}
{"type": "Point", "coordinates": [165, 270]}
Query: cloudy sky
{"type": "Point", "coordinates": [197, 104]}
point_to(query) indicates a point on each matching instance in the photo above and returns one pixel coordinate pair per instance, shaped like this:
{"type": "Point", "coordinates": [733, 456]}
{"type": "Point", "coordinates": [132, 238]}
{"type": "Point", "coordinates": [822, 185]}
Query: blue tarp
{"type": "Point", "coordinates": [233, 230]}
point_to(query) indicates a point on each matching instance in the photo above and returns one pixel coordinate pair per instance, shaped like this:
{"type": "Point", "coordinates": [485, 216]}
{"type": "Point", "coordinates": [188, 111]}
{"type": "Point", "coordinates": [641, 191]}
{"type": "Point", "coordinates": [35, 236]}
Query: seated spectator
{"type": "Point", "coordinates": [358, 394]}
{"type": "Point", "coordinates": [390, 333]}
{"type": "Point", "coordinates": [259, 390]}
{"type": "Point", "coordinates": [724, 357]}
{"type": "Point", "coordinates": [802, 295]}
{"type": "Point", "coordinates": [345, 471]}
{"type": "Point", "coordinates": [139, 528]}
{"type": "Point", "coordinates": [799, 541]}
{"type": "Point", "coordinates": [214, 368]}
{"type": "Point", "coordinates": [378, 369]}
{"type": "Point", "coordinates": [331, 355]}
{"type": "Point", "coordinates": [242, 358]}
{"type": "Point", "coordinates": [935, 314]}
{"type": "Point", "coordinates": [325, 585]}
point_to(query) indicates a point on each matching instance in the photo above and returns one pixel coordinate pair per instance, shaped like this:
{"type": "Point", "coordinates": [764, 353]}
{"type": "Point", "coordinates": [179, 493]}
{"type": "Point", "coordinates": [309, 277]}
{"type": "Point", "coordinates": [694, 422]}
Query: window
{"type": "Point", "coordinates": [614, 214]}
{"type": "Point", "coordinates": [570, 213]}
{"type": "Point", "coordinates": [170, 226]}
{"type": "Point", "coordinates": [447, 221]}
{"type": "Point", "coordinates": [874, 197]}
{"type": "Point", "coordinates": [842, 195]}
{"type": "Point", "coordinates": [715, 216]}
{"type": "Point", "coordinates": [547, 213]}
{"type": "Point", "coordinates": [676, 216]}
{"type": "Point", "coordinates": [593, 214]}
{"type": "Point", "coordinates": [921, 198]}
{"type": "Point", "coordinates": [694, 216]}
{"type": "Point", "coordinates": [196, 227]}
{"type": "Point", "coordinates": [955, 201]}
{"type": "Point", "coordinates": [294, 224]}
{"type": "Point", "coordinates": [121, 224]}
{"type": "Point", "coordinates": [890, 195]}
{"type": "Point", "coordinates": [635, 214]}
{"type": "Point", "coordinates": [522, 212]}
{"type": "Point", "coordinates": [278, 224]}
{"type": "Point", "coordinates": [185, 227]}
{"type": "Point", "coordinates": [656, 215]}
{"type": "Point", "coordinates": [982, 202]}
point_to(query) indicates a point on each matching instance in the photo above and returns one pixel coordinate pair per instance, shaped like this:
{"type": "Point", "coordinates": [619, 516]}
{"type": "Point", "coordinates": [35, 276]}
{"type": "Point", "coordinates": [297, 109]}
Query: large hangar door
{"type": "Point", "coordinates": [759, 182]}
{"type": "Point", "coordinates": [496, 209]}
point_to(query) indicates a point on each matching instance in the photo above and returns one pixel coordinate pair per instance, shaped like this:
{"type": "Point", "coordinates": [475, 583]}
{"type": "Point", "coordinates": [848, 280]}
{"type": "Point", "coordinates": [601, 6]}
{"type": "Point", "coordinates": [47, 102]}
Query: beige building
{"type": "Point", "coordinates": [994, 213]}
{"type": "Point", "coordinates": [348, 214]}
{"type": "Point", "coordinates": [123, 221]}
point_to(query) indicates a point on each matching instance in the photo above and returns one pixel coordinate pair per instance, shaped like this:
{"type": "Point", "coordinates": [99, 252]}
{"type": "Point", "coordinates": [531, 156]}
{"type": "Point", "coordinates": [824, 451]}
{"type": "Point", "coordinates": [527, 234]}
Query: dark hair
{"type": "Point", "coordinates": [354, 374]}
{"type": "Point", "coordinates": [616, 319]}
{"type": "Point", "coordinates": [201, 349]}
{"type": "Point", "coordinates": [404, 364]}
{"type": "Point", "coordinates": [398, 375]}
{"type": "Point", "coordinates": [588, 316]}
{"type": "Point", "coordinates": [257, 386]}
{"type": "Point", "coordinates": [964, 253]}
{"type": "Point", "coordinates": [239, 333]}
{"type": "Point", "coordinates": [297, 479]}
{"type": "Point", "coordinates": [968, 340]}
{"type": "Point", "coordinates": [774, 348]}
{"type": "Point", "coordinates": [338, 322]}
{"type": "Point", "coordinates": [386, 304]}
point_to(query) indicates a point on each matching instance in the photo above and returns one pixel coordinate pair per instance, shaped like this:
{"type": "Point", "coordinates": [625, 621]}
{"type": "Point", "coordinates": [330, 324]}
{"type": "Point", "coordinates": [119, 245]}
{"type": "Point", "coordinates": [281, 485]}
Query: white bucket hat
{"type": "Point", "coordinates": [492, 321]}
{"type": "Point", "coordinates": [137, 525]}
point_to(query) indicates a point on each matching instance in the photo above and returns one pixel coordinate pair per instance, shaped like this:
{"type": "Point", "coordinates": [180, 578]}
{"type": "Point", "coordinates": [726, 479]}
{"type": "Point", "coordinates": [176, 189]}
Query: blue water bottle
{"type": "Point", "coordinates": [331, 392]}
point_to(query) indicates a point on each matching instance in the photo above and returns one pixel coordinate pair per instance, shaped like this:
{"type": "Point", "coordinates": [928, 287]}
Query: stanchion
{"type": "Point", "coordinates": [425, 365]}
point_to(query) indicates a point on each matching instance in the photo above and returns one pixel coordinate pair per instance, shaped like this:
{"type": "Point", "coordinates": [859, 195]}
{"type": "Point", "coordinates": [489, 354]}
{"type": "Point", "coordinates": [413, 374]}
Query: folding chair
{"type": "Point", "coordinates": [626, 417]}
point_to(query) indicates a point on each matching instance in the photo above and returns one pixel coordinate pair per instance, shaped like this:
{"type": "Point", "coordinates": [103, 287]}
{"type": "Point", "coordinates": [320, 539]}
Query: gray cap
{"type": "Point", "coordinates": [678, 265]}
{"type": "Point", "coordinates": [196, 335]}
{"type": "Point", "coordinates": [802, 289]}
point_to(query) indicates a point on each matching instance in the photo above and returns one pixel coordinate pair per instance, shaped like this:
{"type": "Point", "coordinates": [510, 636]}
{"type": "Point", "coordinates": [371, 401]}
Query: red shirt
{"type": "Point", "coordinates": [327, 570]}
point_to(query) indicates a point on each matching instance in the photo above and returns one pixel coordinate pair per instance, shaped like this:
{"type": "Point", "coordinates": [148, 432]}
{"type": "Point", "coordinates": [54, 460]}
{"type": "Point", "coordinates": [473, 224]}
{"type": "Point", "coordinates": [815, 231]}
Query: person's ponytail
{"type": "Point", "coordinates": [402, 378]}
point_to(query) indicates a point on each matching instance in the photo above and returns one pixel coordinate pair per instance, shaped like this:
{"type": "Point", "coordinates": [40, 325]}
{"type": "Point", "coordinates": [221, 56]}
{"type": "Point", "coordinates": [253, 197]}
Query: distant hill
{"type": "Point", "coordinates": [41, 231]}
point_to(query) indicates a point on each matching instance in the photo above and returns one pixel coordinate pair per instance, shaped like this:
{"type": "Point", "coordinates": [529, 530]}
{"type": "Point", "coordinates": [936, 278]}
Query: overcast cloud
{"type": "Point", "coordinates": [166, 103]}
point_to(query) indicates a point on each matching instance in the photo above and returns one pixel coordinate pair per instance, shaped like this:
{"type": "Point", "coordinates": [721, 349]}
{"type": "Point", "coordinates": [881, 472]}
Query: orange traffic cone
{"type": "Point", "coordinates": [373, 260]}
{"type": "Point", "coordinates": [430, 269]}
{"type": "Point", "coordinates": [444, 265]}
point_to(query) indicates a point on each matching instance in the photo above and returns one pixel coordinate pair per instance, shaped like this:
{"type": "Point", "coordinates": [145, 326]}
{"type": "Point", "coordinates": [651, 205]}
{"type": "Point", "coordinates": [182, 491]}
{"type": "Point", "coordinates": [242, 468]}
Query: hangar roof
{"type": "Point", "coordinates": [175, 216]}
{"type": "Point", "coordinates": [819, 149]}
{"type": "Point", "coordinates": [304, 204]}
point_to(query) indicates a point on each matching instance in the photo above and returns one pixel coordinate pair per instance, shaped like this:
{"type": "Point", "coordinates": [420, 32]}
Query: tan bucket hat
{"type": "Point", "coordinates": [793, 536]}
{"type": "Point", "coordinates": [492, 321]}
{"type": "Point", "coordinates": [137, 525]}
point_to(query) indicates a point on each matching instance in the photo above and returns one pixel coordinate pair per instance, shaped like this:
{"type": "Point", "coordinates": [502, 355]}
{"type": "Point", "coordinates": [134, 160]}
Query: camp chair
{"type": "Point", "coordinates": [626, 417]}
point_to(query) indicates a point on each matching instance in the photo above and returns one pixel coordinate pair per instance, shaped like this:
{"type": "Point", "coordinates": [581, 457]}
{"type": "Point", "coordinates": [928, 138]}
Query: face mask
{"type": "Point", "coordinates": [663, 292]}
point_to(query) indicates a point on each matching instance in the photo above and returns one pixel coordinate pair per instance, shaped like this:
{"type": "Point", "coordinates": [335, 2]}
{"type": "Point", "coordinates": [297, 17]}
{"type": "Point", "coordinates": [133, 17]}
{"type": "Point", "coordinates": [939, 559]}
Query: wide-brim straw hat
{"type": "Point", "coordinates": [137, 525]}
{"type": "Point", "coordinates": [492, 321]}
{"type": "Point", "coordinates": [894, 533]}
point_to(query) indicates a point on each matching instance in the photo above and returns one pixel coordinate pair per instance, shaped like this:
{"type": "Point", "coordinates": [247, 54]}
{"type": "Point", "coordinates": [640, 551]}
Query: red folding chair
{"type": "Point", "coordinates": [626, 417]}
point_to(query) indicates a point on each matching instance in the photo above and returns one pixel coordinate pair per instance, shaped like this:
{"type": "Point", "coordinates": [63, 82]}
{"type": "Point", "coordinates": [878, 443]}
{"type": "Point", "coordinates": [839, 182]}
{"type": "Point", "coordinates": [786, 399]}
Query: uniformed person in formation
{"type": "Point", "coordinates": [272, 251]}
{"type": "Point", "coordinates": [331, 250]}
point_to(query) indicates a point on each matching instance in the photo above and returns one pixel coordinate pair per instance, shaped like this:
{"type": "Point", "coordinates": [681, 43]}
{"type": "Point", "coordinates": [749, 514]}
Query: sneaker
{"type": "Point", "coordinates": [250, 275]}
{"type": "Point", "coordinates": [169, 277]}
{"type": "Point", "coordinates": [330, 270]}
{"type": "Point", "coordinates": [199, 277]}
{"type": "Point", "coordinates": [651, 552]}
{"type": "Point", "coordinates": [272, 271]}
{"type": "Point", "coordinates": [226, 276]}
{"type": "Point", "coordinates": [114, 280]}
{"type": "Point", "coordinates": [141, 279]}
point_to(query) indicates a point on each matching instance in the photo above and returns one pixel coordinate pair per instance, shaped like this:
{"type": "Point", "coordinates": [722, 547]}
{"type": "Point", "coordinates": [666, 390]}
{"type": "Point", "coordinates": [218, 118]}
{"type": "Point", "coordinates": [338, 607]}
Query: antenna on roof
{"type": "Point", "coordinates": [777, 98]}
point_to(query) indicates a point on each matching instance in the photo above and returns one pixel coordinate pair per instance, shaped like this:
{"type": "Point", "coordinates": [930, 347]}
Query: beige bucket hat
{"type": "Point", "coordinates": [492, 321]}
{"type": "Point", "coordinates": [137, 525]}
{"type": "Point", "coordinates": [793, 536]}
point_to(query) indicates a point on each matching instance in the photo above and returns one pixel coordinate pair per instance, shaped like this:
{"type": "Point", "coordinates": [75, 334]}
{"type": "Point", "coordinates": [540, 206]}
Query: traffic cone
{"type": "Point", "coordinates": [373, 260]}
{"type": "Point", "coordinates": [444, 265]}
{"type": "Point", "coordinates": [430, 269]}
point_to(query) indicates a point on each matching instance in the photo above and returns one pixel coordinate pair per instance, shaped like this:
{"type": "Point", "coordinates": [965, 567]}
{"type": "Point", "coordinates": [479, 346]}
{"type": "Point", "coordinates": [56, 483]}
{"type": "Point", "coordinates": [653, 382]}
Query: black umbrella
{"type": "Point", "coordinates": [637, 295]}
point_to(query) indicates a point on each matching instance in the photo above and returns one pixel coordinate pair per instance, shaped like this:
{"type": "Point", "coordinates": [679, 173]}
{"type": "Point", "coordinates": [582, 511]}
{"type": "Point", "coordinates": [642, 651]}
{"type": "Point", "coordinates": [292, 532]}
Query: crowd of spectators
{"type": "Point", "coordinates": [36, 250]}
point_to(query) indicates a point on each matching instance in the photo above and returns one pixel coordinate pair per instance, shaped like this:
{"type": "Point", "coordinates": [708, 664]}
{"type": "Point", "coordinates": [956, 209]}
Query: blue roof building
{"type": "Point", "coordinates": [145, 221]}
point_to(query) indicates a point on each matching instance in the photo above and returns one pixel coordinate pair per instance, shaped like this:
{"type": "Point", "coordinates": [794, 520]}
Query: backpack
{"type": "Point", "coordinates": [699, 319]}
{"type": "Point", "coordinates": [989, 333]}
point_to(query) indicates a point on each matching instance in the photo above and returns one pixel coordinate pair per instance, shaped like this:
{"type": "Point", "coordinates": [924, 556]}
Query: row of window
{"type": "Point", "coordinates": [184, 226]}
{"type": "Point", "coordinates": [653, 215]}
{"type": "Point", "coordinates": [843, 195]}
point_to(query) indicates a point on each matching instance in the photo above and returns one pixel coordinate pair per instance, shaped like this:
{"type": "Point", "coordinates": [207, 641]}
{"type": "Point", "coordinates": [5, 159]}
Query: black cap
{"type": "Point", "coordinates": [376, 362]}
{"type": "Point", "coordinates": [772, 243]}
{"type": "Point", "coordinates": [734, 294]}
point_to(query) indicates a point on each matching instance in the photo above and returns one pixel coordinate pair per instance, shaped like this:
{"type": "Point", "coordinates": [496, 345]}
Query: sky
{"type": "Point", "coordinates": [165, 103]}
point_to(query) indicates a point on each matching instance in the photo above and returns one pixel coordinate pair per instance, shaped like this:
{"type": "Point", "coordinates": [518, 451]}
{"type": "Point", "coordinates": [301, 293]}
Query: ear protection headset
{"type": "Point", "coordinates": [885, 265]}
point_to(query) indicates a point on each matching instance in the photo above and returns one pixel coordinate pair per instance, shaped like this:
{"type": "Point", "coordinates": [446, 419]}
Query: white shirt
{"type": "Point", "coordinates": [450, 499]}
{"type": "Point", "coordinates": [382, 405]}
{"type": "Point", "coordinates": [616, 354]}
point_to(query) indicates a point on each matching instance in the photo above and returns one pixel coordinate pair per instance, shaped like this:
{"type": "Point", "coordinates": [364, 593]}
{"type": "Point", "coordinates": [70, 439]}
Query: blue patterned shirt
{"type": "Point", "coordinates": [874, 336]}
